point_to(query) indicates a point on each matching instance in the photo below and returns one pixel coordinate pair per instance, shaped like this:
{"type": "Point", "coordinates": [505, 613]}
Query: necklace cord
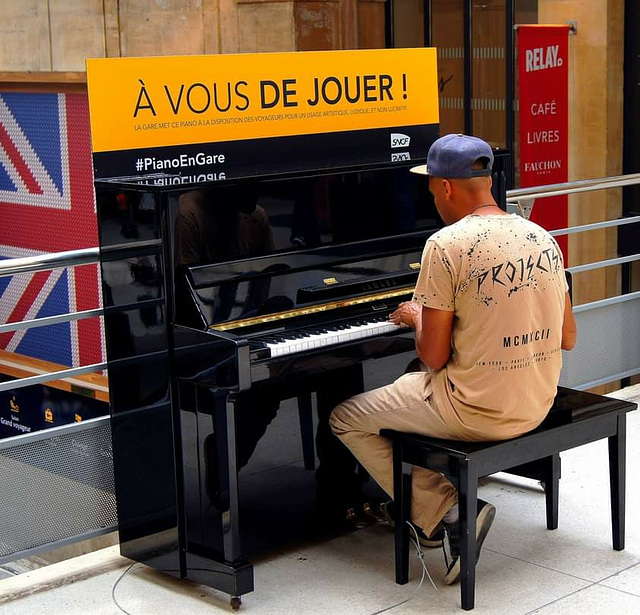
{"type": "Point", "coordinates": [481, 206]}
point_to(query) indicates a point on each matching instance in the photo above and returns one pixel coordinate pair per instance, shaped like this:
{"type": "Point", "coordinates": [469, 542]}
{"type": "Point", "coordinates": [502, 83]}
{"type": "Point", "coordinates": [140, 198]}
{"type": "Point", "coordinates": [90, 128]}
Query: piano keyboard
{"type": "Point", "coordinates": [310, 338]}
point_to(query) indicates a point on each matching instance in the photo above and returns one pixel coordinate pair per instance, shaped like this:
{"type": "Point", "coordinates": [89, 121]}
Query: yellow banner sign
{"type": "Point", "coordinates": [152, 102]}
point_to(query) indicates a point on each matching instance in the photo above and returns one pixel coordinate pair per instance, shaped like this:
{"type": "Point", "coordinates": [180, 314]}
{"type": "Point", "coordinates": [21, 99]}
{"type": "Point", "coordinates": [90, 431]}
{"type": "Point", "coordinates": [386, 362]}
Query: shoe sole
{"type": "Point", "coordinates": [484, 521]}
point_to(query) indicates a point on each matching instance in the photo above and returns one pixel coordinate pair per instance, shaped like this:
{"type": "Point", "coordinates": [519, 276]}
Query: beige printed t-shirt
{"type": "Point", "coordinates": [503, 276]}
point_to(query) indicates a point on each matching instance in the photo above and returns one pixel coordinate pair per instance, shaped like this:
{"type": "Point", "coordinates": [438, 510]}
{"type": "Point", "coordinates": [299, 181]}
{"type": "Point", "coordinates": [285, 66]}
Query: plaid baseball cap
{"type": "Point", "coordinates": [452, 156]}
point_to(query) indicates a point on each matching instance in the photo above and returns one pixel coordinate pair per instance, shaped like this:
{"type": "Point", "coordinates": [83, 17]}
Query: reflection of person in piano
{"type": "Point", "coordinates": [212, 228]}
{"type": "Point", "coordinates": [221, 225]}
{"type": "Point", "coordinates": [225, 224]}
{"type": "Point", "coordinates": [491, 313]}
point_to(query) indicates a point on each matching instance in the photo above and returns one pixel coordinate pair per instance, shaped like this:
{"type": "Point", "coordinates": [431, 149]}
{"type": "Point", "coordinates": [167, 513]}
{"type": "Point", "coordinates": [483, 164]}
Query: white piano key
{"type": "Point", "coordinates": [339, 336]}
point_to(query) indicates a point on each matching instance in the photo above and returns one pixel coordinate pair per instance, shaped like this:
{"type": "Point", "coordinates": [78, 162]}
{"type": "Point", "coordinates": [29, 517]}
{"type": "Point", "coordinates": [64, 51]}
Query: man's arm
{"type": "Point", "coordinates": [433, 331]}
{"type": "Point", "coordinates": [569, 329]}
{"type": "Point", "coordinates": [433, 337]}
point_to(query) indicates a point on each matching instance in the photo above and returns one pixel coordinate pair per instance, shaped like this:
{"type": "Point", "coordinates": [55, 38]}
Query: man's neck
{"type": "Point", "coordinates": [485, 209]}
{"type": "Point", "coordinates": [478, 208]}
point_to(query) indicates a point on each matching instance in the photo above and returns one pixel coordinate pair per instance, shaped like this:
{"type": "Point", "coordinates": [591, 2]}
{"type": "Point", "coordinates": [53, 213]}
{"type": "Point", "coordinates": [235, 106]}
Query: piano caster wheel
{"type": "Point", "coordinates": [236, 602]}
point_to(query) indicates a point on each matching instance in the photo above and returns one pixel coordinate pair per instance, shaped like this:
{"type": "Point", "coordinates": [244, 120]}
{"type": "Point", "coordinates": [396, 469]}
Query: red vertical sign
{"type": "Point", "coordinates": [543, 73]}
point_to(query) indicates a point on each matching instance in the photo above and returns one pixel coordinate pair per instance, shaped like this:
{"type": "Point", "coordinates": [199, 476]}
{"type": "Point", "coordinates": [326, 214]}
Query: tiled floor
{"type": "Point", "coordinates": [524, 568]}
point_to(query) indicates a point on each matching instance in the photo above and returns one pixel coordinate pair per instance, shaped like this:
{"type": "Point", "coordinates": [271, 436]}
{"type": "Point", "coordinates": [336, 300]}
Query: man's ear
{"type": "Point", "coordinates": [448, 188]}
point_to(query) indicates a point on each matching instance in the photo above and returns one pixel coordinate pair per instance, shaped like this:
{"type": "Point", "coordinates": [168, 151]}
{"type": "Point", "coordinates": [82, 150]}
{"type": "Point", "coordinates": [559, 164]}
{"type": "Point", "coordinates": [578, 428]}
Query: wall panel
{"type": "Point", "coordinates": [24, 36]}
{"type": "Point", "coordinates": [266, 26]}
{"type": "Point", "coordinates": [160, 28]}
{"type": "Point", "coordinates": [83, 23]}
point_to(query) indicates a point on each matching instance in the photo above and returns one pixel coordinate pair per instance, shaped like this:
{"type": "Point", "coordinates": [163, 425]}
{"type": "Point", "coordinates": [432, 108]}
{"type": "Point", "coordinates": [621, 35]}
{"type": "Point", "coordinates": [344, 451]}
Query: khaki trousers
{"type": "Point", "coordinates": [405, 405]}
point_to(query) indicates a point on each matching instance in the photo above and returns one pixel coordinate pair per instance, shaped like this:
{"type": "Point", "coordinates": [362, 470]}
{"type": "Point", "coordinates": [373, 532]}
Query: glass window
{"type": "Point", "coordinates": [408, 23]}
{"type": "Point", "coordinates": [447, 34]}
{"type": "Point", "coordinates": [489, 71]}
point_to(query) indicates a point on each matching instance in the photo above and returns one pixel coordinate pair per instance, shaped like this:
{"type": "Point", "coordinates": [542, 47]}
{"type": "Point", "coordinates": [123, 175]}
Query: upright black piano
{"type": "Point", "coordinates": [229, 307]}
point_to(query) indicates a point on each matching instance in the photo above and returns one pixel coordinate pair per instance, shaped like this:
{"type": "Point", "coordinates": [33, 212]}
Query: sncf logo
{"type": "Point", "coordinates": [400, 156]}
{"type": "Point", "coordinates": [399, 140]}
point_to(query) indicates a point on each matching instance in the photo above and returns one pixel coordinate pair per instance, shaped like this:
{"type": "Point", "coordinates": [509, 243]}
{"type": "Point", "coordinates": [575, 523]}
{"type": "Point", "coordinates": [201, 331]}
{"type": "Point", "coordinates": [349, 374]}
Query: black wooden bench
{"type": "Point", "coordinates": [576, 418]}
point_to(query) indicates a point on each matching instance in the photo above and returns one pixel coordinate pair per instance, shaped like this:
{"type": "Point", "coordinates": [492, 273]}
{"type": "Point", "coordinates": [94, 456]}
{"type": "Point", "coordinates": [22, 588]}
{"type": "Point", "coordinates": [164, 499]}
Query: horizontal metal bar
{"type": "Point", "coordinates": [17, 365]}
{"type": "Point", "coordinates": [60, 375]}
{"type": "Point", "coordinates": [585, 185]}
{"type": "Point", "coordinates": [12, 557]}
{"type": "Point", "coordinates": [53, 432]}
{"type": "Point", "coordinates": [607, 263]}
{"type": "Point", "coordinates": [51, 320]}
{"type": "Point", "coordinates": [596, 225]}
{"type": "Point", "coordinates": [594, 305]}
{"type": "Point", "coordinates": [596, 383]}
{"type": "Point", "coordinates": [132, 246]}
{"type": "Point", "coordinates": [157, 407]}
{"type": "Point", "coordinates": [70, 258]}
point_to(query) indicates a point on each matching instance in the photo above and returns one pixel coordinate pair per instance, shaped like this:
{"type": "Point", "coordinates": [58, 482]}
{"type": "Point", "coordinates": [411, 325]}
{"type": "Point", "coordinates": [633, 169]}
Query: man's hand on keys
{"type": "Point", "coordinates": [408, 313]}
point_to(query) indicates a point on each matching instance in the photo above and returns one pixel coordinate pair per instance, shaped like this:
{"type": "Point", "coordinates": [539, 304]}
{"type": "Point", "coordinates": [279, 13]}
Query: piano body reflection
{"type": "Point", "coordinates": [209, 330]}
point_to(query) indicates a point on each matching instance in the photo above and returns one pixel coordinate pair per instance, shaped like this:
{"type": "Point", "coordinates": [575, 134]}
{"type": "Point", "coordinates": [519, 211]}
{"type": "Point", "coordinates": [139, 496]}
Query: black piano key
{"type": "Point", "coordinates": [271, 339]}
{"type": "Point", "coordinates": [290, 335]}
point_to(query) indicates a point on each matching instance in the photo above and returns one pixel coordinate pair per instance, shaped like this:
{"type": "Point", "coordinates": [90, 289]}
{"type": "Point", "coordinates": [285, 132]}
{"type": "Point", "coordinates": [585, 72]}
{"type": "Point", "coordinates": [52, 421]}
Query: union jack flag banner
{"type": "Point", "coordinates": [47, 205]}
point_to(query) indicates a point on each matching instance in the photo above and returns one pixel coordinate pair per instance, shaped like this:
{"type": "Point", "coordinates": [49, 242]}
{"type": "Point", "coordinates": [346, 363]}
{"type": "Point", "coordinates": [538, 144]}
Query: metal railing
{"type": "Point", "coordinates": [522, 201]}
{"type": "Point", "coordinates": [43, 262]}
{"type": "Point", "coordinates": [28, 264]}
{"type": "Point", "coordinates": [584, 185]}
{"type": "Point", "coordinates": [65, 473]}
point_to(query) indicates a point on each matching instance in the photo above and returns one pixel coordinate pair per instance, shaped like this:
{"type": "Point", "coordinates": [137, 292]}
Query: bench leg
{"type": "Point", "coordinates": [467, 507]}
{"type": "Point", "coordinates": [617, 467]}
{"type": "Point", "coordinates": [402, 498]}
{"type": "Point", "coordinates": [552, 489]}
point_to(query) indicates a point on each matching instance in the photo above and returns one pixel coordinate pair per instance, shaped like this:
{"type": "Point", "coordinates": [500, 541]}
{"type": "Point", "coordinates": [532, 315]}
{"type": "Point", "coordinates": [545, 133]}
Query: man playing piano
{"type": "Point", "coordinates": [491, 312]}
